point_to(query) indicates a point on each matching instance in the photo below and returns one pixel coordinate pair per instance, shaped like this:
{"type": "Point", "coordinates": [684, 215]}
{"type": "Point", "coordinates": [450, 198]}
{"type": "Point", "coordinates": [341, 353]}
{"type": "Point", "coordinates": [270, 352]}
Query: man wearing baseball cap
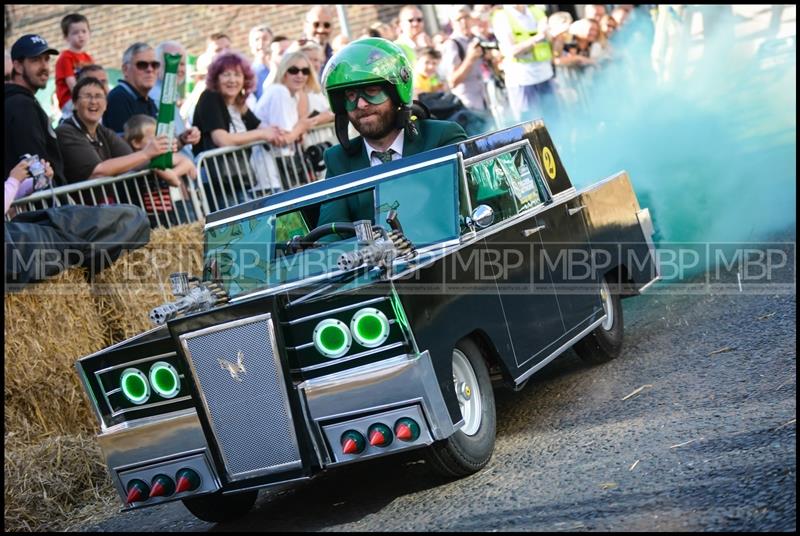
{"type": "Point", "coordinates": [27, 127]}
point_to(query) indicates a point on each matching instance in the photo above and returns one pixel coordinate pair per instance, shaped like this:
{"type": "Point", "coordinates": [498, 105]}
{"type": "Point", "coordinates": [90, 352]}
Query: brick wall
{"type": "Point", "coordinates": [114, 27]}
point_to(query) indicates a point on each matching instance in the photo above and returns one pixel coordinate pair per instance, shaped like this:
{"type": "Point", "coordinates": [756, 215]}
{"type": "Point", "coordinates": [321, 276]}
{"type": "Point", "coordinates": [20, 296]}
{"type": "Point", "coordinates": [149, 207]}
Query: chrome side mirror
{"type": "Point", "coordinates": [482, 216]}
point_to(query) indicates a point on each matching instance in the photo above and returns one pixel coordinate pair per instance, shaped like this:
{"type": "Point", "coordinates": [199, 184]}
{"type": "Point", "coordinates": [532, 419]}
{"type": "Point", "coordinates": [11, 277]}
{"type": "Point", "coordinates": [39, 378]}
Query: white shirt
{"type": "Point", "coordinates": [520, 74]}
{"type": "Point", "coordinates": [277, 107]}
{"type": "Point", "coordinates": [397, 146]}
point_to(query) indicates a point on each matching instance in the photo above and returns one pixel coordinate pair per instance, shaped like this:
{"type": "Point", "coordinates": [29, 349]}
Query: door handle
{"type": "Point", "coordinates": [573, 211]}
{"type": "Point", "coordinates": [530, 232]}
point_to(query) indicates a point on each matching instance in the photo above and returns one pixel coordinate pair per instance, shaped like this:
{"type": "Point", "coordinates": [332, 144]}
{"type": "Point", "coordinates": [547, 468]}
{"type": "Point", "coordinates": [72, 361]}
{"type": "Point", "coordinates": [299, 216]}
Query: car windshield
{"type": "Point", "coordinates": [250, 252]}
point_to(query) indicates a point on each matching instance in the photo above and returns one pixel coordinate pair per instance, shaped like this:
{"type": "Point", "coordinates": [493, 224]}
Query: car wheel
{"type": "Point", "coordinates": [218, 508]}
{"type": "Point", "coordinates": [605, 342]}
{"type": "Point", "coordinates": [469, 449]}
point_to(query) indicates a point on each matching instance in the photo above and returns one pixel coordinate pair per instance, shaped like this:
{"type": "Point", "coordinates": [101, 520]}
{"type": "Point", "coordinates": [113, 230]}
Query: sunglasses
{"type": "Point", "coordinates": [371, 94]}
{"type": "Point", "coordinates": [143, 65]}
{"type": "Point", "coordinates": [325, 25]}
{"type": "Point", "coordinates": [415, 19]}
{"type": "Point", "coordinates": [294, 70]}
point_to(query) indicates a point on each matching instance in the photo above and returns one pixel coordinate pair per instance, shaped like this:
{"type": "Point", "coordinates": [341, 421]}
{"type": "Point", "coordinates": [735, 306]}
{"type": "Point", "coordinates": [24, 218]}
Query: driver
{"type": "Point", "coordinates": [369, 85]}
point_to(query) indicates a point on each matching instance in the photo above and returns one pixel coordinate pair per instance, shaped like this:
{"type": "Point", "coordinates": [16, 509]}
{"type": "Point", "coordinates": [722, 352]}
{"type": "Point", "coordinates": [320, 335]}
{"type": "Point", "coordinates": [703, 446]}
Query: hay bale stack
{"type": "Point", "coordinates": [51, 484]}
{"type": "Point", "coordinates": [48, 326]}
{"type": "Point", "coordinates": [139, 279]}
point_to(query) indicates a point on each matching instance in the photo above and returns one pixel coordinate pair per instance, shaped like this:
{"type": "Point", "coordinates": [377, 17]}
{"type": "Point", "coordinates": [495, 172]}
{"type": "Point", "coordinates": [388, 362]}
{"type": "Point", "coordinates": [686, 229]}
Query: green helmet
{"type": "Point", "coordinates": [368, 61]}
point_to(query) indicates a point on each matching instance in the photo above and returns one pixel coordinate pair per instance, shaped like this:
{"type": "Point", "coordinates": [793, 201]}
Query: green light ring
{"type": "Point", "coordinates": [127, 373]}
{"type": "Point", "coordinates": [384, 322]}
{"type": "Point", "coordinates": [163, 365]}
{"type": "Point", "coordinates": [332, 353]}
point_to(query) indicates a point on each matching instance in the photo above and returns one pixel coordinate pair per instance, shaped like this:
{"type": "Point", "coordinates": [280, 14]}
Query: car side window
{"type": "Point", "coordinates": [506, 183]}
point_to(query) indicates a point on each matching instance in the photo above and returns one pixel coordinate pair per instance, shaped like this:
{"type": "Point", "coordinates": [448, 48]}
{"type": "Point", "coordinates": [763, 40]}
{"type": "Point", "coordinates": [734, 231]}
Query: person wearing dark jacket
{"type": "Point", "coordinates": [369, 84]}
{"type": "Point", "coordinates": [27, 127]}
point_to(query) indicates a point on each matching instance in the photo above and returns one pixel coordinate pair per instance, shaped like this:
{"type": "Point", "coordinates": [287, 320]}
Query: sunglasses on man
{"type": "Point", "coordinates": [371, 94]}
{"type": "Point", "coordinates": [294, 70]}
{"type": "Point", "coordinates": [415, 19]}
{"type": "Point", "coordinates": [143, 65]}
{"type": "Point", "coordinates": [325, 25]}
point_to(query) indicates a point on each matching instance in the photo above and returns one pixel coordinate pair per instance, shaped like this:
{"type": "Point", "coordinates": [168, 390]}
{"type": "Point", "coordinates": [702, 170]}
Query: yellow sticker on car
{"type": "Point", "coordinates": [549, 162]}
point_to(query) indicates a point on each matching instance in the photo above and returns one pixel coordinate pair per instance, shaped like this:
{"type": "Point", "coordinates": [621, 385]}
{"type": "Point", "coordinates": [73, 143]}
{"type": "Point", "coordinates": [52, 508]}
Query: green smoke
{"type": "Point", "coordinates": [712, 153]}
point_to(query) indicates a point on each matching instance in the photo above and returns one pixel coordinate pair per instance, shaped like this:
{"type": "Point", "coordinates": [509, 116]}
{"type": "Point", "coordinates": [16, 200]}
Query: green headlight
{"type": "Point", "coordinates": [332, 338]}
{"type": "Point", "coordinates": [370, 327]}
{"type": "Point", "coordinates": [134, 385]}
{"type": "Point", "coordinates": [165, 379]}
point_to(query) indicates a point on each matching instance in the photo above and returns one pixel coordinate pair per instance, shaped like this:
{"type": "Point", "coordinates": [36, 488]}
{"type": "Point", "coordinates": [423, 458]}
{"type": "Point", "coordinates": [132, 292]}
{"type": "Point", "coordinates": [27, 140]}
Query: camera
{"type": "Point", "coordinates": [488, 45]}
{"type": "Point", "coordinates": [314, 153]}
{"type": "Point", "coordinates": [37, 170]}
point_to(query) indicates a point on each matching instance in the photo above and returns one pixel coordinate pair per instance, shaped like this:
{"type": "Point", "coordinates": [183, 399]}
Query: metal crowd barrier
{"type": "Point", "coordinates": [234, 175]}
{"type": "Point", "coordinates": [165, 208]}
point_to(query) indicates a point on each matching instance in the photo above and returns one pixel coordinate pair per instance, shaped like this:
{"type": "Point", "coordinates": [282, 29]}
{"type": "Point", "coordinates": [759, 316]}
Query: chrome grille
{"type": "Point", "coordinates": [249, 416]}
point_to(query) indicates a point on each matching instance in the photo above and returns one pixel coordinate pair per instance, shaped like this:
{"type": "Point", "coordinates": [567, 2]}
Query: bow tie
{"type": "Point", "coordinates": [384, 156]}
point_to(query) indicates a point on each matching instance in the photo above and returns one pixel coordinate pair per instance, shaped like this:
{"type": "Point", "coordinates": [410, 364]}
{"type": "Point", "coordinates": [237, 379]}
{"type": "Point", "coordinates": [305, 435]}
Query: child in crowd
{"type": "Point", "coordinates": [75, 28]}
{"type": "Point", "coordinates": [139, 130]}
{"type": "Point", "coordinates": [426, 72]}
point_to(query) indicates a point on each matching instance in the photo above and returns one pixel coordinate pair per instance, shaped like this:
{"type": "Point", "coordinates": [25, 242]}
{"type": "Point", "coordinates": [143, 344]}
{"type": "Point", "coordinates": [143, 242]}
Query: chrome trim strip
{"type": "Point", "coordinates": [566, 333]}
{"type": "Point", "coordinates": [463, 185]}
{"type": "Point", "coordinates": [153, 405]}
{"type": "Point", "coordinates": [352, 357]}
{"type": "Point", "coordinates": [150, 421]}
{"type": "Point", "coordinates": [334, 311]}
{"type": "Point", "coordinates": [281, 386]}
{"type": "Point", "coordinates": [648, 285]}
{"type": "Point", "coordinates": [114, 391]}
{"type": "Point", "coordinates": [361, 182]}
{"type": "Point", "coordinates": [561, 349]}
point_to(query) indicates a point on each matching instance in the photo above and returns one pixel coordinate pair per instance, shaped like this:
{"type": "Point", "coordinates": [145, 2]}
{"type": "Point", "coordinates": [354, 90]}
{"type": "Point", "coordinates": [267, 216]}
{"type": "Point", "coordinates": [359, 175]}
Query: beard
{"type": "Point", "coordinates": [387, 123]}
{"type": "Point", "coordinates": [32, 82]}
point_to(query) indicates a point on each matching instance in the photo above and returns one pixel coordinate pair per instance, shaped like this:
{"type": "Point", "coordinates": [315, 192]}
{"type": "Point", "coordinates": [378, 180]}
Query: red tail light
{"type": "Point", "coordinates": [137, 491]}
{"type": "Point", "coordinates": [353, 442]}
{"type": "Point", "coordinates": [379, 435]}
{"type": "Point", "coordinates": [188, 480]}
{"type": "Point", "coordinates": [163, 486]}
{"type": "Point", "coordinates": [406, 429]}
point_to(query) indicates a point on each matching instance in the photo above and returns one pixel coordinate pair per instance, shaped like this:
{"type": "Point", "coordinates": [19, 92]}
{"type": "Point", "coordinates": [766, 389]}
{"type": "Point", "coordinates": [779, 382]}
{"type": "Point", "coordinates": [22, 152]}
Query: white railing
{"type": "Point", "coordinates": [164, 206]}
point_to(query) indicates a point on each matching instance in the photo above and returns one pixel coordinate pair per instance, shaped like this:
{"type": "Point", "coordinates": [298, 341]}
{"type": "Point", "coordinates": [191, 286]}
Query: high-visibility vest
{"type": "Point", "coordinates": [542, 51]}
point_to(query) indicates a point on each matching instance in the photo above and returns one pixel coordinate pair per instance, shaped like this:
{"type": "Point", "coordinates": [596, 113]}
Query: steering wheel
{"type": "Point", "coordinates": [299, 243]}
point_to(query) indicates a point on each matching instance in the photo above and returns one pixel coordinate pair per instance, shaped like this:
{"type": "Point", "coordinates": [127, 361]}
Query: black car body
{"type": "Point", "coordinates": [308, 365]}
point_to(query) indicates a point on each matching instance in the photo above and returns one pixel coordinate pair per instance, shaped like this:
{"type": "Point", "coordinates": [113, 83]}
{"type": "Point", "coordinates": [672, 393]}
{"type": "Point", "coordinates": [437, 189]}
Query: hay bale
{"type": "Point", "coordinates": [55, 484]}
{"type": "Point", "coordinates": [47, 327]}
{"type": "Point", "coordinates": [139, 279]}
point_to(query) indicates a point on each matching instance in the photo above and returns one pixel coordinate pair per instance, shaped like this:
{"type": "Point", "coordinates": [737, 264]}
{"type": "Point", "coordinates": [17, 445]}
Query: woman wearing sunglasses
{"type": "Point", "coordinates": [279, 108]}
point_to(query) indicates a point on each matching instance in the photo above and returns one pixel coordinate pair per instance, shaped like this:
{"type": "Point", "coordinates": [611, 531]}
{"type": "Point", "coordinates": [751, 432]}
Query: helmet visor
{"type": "Point", "coordinates": [373, 94]}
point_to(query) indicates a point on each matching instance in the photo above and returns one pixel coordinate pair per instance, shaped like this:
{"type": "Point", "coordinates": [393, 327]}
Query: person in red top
{"type": "Point", "coordinates": [75, 28]}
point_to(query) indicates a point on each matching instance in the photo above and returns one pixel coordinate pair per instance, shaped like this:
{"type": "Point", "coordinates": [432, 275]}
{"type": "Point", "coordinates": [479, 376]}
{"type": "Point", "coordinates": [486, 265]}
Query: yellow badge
{"type": "Point", "coordinates": [549, 163]}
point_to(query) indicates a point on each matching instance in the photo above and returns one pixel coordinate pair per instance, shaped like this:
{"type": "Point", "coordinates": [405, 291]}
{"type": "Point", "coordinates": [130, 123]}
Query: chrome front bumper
{"type": "Point", "coordinates": [402, 381]}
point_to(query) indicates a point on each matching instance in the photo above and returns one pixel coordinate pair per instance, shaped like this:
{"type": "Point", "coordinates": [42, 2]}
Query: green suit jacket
{"type": "Point", "coordinates": [432, 134]}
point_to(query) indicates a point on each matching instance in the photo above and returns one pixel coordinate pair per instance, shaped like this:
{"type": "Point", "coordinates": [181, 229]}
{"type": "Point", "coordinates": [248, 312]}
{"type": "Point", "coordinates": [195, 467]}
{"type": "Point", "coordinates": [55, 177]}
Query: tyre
{"type": "Point", "coordinates": [218, 508]}
{"type": "Point", "coordinates": [469, 449]}
{"type": "Point", "coordinates": [605, 342]}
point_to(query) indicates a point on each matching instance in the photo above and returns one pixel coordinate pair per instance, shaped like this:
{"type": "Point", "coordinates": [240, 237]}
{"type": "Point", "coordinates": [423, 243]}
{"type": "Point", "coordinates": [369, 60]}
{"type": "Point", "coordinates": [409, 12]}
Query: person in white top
{"type": "Point", "coordinates": [313, 104]}
{"type": "Point", "coordinates": [522, 38]}
{"type": "Point", "coordinates": [279, 107]}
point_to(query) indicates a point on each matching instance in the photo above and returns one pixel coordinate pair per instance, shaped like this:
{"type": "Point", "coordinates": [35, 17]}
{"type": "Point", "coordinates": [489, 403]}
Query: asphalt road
{"type": "Point", "coordinates": [707, 443]}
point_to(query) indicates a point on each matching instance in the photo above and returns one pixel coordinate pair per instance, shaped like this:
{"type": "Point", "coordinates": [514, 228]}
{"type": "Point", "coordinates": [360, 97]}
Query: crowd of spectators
{"type": "Point", "coordinates": [485, 54]}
